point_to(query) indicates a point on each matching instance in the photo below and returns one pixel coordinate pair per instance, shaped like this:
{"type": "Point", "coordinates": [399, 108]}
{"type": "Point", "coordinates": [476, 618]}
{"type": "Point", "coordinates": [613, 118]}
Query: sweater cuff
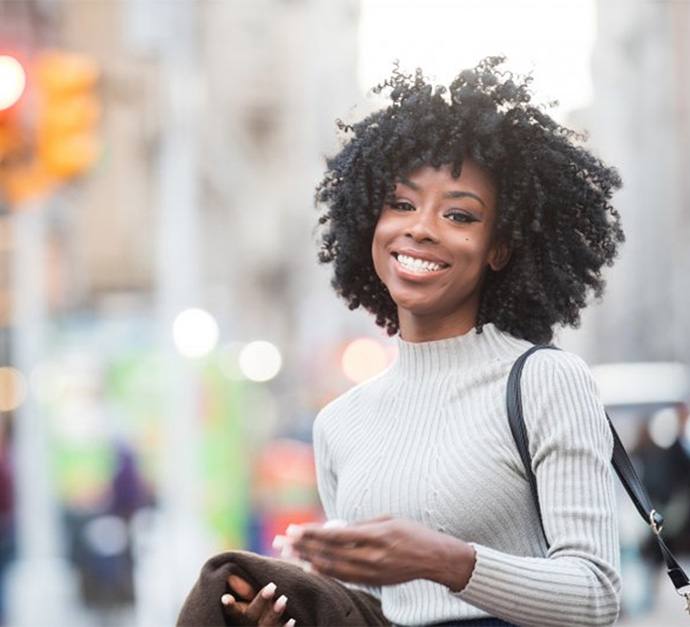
{"type": "Point", "coordinates": [490, 569]}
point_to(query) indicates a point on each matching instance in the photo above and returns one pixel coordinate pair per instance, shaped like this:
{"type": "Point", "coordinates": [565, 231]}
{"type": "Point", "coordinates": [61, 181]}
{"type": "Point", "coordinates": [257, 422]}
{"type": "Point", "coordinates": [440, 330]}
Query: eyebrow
{"type": "Point", "coordinates": [458, 194]}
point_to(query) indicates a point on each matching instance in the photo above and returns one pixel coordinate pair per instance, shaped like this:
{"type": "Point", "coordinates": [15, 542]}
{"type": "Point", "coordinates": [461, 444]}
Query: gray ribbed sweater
{"type": "Point", "coordinates": [428, 440]}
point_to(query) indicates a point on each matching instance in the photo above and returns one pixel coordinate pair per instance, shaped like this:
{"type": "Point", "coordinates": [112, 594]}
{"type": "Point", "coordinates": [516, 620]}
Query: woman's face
{"type": "Point", "coordinates": [431, 248]}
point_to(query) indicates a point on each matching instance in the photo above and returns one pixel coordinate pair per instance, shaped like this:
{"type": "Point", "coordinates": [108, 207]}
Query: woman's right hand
{"type": "Point", "coordinates": [249, 607]}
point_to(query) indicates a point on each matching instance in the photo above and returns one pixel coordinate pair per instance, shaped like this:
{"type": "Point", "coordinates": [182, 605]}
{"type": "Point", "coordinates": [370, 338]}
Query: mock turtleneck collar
{"type": "Point", "coordinates": [458, 352]}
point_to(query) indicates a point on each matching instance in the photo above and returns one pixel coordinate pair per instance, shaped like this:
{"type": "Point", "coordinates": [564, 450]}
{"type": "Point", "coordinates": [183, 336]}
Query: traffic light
{"type": "Point", "coordinates": [68, 112]}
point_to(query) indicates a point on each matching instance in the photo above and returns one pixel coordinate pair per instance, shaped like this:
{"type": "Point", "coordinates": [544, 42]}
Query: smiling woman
{"type": "Point", "coordinates": [546, 198]}
{"type": "Point", "coordinates": [431, 246]}
{"type": "Point", "coordinates": [469, 223]}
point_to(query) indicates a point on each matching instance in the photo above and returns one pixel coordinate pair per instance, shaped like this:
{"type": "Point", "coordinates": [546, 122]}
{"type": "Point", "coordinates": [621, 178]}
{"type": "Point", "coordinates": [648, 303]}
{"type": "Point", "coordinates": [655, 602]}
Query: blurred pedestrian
{"type": "Point", "coordinates": [665, 472]}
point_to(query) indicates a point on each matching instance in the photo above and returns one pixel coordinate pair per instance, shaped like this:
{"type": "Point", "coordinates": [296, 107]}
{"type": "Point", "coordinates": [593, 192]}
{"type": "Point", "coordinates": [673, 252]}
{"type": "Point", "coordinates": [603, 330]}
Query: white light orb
{"type": "Point", "coordinates": [664, 427]}
{"type": "Point", "coordinates": [195, 333]}
{"type": "Point", "coordinates": [364, 358]}
{"type": "Point", "coordinates": [260, 361]}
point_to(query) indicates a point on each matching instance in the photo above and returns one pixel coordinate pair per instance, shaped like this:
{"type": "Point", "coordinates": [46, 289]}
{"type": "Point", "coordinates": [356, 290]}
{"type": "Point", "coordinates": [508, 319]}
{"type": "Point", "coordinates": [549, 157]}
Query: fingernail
{"type": "Point", "coordinates": [290, 623]}
{"type": "Point", "coordinates": [268, 591]}
{"type": "Point", "coordinates": [279, 542]}
{"type": "Point", "coordinates": [227, 599]}
{"type": "Point", "coordinates": [280, 604]}
{"type": "Point", "coordinates": [294, 531]}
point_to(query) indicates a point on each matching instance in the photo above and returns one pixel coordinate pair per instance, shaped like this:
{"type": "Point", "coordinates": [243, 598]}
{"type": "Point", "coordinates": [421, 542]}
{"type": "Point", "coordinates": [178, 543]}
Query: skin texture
{"type": "Point", "coordinates": [442, 217]}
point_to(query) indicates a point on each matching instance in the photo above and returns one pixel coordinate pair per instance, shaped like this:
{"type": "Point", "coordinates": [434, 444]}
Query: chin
{"type": "Point", "coordinates": [417, 307]}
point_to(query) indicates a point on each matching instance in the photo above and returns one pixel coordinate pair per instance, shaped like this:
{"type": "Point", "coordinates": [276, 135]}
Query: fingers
{"type": "Point", "coordinates": [378, 519]}
{"type": "Point", "coordinates": [234, 609]}
{"type": "Point", "coordinates": [263, 609]}
{"type": "Point", "coordinates": [241, 587]}
{"type": "Point", "coordinates": [343, 570]}
{"type": "Point", "coordinates": [334, 537]}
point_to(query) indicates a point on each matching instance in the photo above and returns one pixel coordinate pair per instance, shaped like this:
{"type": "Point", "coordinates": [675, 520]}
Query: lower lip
{"type": "Point", "coordinates": [416, 276]}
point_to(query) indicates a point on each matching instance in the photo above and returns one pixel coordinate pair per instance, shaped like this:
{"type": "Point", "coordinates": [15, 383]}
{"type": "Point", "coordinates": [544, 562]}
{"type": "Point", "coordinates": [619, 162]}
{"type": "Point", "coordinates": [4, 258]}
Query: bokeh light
{"type": "Point", "coordinates": [664, 427]}
{"type": "Point", "coordinates": [260, 361]}
{"type": "Point", "coordinates": [195, 333]}
{"type": "Point", "coordinates": [364, 358]}
{"type": "Point", "coordinates": [12, 81]}
{"type": "Point", "coordinates": [13, 388]}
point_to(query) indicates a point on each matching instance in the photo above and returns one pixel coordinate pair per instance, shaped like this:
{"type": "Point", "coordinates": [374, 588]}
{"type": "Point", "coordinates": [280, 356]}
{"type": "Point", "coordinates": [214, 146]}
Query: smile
{"type": "Point", "coordinates": [418, 266]}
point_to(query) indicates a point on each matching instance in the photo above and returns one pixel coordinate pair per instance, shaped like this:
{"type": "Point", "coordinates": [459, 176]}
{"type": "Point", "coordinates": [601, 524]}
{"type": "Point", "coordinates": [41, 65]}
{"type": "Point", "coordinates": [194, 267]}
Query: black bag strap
{"type": "Point", "coordinates": [621, 464]}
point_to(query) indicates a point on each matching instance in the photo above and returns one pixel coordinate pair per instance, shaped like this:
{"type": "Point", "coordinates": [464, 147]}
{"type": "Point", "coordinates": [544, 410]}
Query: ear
{"type": "Point", "coordinates": [499, 256]}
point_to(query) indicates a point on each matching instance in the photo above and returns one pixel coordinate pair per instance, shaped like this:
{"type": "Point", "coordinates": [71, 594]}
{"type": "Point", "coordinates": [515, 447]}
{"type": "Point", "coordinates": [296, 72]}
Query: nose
{"type": "Point", "coordinates": [422, 226]}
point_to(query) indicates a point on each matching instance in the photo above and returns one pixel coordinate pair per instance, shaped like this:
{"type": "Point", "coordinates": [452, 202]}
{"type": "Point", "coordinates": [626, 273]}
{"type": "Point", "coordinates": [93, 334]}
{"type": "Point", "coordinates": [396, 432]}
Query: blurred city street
{"type": "Point", "coordinates": [167, 335]}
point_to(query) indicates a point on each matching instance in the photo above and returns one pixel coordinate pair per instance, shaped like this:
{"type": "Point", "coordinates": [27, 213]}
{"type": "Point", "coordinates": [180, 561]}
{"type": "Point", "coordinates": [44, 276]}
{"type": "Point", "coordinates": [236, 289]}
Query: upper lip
{"type": "Point", "coordinates": [417, 254]}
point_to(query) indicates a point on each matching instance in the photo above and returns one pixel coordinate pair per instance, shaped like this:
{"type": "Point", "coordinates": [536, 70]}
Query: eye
{"type": "Point", "coordinates": [402, 205]}
{"type": "Point", "coordinates": [461, 217]}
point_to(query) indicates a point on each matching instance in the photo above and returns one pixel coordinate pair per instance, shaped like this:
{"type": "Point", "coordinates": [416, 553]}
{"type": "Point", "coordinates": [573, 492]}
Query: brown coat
{"type": "Point", "coordinates": [312, 599]}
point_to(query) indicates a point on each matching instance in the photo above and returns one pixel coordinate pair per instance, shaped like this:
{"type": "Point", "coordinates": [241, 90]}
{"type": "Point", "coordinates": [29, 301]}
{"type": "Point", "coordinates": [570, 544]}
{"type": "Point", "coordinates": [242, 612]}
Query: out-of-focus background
{"type": "Point", "coordinates": [166, 334]}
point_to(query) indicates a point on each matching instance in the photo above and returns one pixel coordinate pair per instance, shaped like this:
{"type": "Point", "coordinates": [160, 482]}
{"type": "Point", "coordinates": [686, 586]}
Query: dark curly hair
{"type": "Point", "coordinates": [552, 210]}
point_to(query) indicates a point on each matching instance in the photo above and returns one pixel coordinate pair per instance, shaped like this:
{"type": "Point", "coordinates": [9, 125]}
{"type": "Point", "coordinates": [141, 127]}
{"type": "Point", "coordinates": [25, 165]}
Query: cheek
{"type": "Point", "coordinates": [474, 249]}
{"type": "Point", "coordinates": [378, 249]}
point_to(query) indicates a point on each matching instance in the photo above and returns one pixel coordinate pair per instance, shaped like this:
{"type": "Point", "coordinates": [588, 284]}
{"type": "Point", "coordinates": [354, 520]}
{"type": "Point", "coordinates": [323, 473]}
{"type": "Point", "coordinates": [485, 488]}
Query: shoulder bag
{"type": "Point", "coordinates": [621, 464]}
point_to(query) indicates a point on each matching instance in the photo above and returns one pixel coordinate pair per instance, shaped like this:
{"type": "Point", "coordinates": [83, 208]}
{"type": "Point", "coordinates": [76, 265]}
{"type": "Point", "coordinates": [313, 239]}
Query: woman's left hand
{"type": "Point", "coordinates": [385, 551]}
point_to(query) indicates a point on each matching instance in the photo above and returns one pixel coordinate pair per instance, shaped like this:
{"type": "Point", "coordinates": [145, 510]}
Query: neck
{"type": "Point", "coordinates": [420, 328]}
{"type": "Point", "coordinates": [423, 360]}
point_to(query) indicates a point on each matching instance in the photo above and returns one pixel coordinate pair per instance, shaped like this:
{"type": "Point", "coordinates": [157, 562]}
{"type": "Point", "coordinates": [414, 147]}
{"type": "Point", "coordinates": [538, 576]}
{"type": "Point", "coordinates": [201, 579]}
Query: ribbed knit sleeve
{"type": "Point", "coordinates": [578, 582]}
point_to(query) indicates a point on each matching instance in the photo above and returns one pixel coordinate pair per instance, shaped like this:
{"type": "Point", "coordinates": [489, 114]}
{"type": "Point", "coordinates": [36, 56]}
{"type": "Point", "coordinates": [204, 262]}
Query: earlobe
{"type": "Point", "coordinates": [500, 256]}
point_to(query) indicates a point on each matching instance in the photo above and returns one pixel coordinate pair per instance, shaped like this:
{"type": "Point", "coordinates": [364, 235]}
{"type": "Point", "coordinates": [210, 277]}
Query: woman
{"type": "Point", "coordinates": [469, 223]}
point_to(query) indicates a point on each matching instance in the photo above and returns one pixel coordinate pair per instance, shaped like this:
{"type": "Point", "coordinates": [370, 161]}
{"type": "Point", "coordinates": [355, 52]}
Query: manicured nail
{"type": "Point", "coordinates": [290, 623]}
{"type": "Point", "coordinates": [280, 604]}
{"type": "Point", "coordinates": [294, 531]}
{"type": "Point", "coordinates": [268, 591]}
{"type": "Point", "coordinates": [279, 542]}
{"type": "Point", "coordinates": [227, 599]}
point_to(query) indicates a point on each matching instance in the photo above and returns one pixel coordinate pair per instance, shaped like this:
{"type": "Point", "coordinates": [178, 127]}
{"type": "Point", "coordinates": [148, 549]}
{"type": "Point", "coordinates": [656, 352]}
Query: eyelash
{"type": "Point", "coordinates": [466, 218]}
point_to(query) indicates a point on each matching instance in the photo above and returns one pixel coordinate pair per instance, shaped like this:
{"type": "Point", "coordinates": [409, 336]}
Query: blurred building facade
{"type": "Point", "coordinates": [271, 75]}
{"type": "Point", "coordinates": [640, 122]}
{"type": "Point", "coordinates": [216, 117]}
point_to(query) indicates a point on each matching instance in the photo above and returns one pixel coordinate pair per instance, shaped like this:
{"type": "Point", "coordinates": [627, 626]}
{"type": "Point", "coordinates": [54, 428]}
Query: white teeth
{"type": "Point", "coordinates": [412, 263]}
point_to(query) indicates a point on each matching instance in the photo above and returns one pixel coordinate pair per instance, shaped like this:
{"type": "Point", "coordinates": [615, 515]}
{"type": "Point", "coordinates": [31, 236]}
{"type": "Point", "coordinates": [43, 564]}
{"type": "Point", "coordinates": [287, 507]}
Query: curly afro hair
{"type": "Point", "coordinates": [552, 210]}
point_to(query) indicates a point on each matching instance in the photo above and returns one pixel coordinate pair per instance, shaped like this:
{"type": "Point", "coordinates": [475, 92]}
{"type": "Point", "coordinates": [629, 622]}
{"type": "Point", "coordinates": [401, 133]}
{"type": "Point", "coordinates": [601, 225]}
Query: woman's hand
{"type": "Point", "coordinates": [385, 551]}
{"type": "Point", "coordinates": [249, 607]}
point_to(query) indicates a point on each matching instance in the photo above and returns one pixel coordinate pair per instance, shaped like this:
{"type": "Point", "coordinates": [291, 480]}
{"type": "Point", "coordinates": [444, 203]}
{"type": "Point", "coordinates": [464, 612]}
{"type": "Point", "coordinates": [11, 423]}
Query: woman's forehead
{"type": "Point", "coordinates": [472, 178]}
